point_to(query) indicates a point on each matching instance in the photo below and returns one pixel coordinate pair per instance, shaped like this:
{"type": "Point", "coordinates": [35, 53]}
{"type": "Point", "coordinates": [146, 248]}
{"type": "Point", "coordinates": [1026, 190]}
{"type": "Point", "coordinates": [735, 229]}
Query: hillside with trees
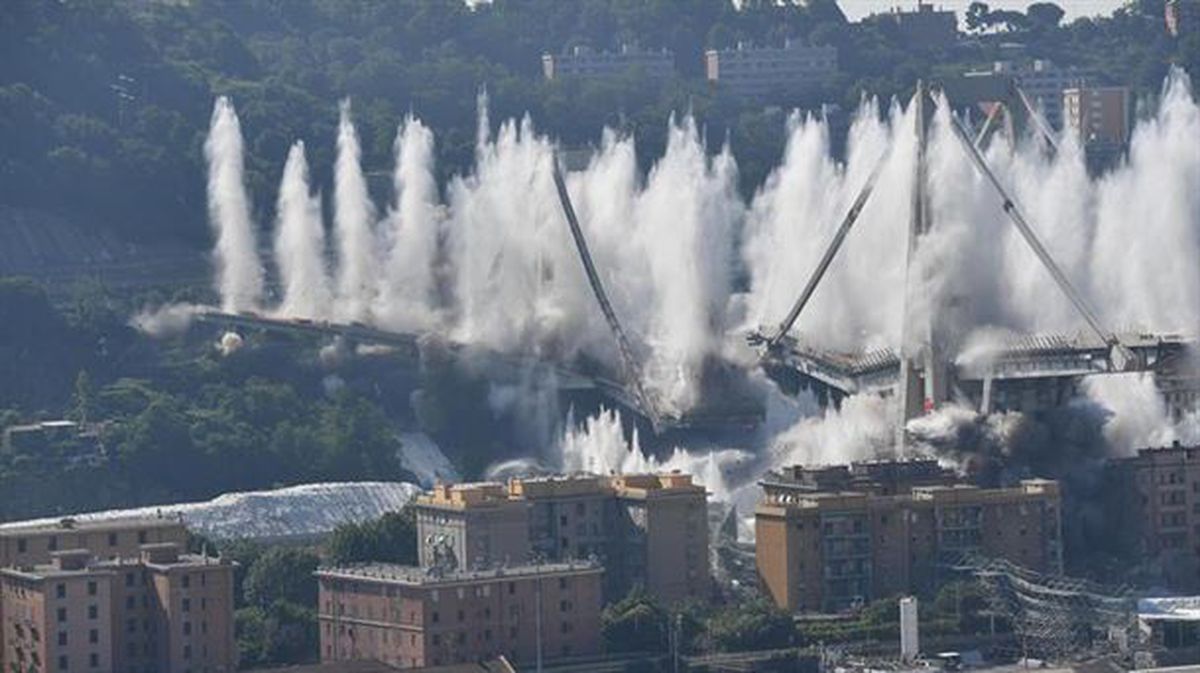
{"type": "Point", "coordinates": [103, 105]}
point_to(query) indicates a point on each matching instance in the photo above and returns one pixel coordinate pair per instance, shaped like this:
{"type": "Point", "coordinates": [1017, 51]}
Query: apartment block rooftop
{"type": "Point", "coordinates": [86, 525]}
{"type": "Point", "coordinates": [496, 494]}
{"type": "Point", "coordinates": [881, 477]}
{"type": "Point", "coordinates": [69, 562]}
{"type": "Point", "coordinates": [939, 494]}
{"type": "Point", "coordinates": [390, 573]}
{"type": "Point", "coordinates": [1176, 451]}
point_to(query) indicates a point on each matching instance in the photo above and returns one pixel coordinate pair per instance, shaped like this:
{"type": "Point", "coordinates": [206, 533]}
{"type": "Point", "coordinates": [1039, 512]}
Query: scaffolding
{"type": "Point", "coordinates": [1057, 618]}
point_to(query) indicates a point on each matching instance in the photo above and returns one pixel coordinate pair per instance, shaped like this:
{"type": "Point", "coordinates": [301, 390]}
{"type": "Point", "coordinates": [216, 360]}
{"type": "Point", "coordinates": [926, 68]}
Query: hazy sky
{"type": "Point", "coordinates": [856, 9]}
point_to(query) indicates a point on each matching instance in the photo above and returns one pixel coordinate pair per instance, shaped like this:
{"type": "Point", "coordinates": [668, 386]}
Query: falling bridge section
{"type": "Point", "coordinates": [1022, 373]}
{"type": "Point", "coordinates": [492, 365]}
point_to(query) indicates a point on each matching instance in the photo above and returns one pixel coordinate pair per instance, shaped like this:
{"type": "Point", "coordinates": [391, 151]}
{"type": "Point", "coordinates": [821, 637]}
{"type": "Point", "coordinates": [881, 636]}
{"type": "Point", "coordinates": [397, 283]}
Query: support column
{"type": "Point", "coordinates": [922, 383]}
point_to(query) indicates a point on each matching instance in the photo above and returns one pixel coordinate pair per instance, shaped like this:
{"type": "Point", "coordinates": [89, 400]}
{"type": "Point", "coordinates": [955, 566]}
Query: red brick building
{"type": "Point", "coordinates": [161, 612]}
{"type": "Point", "coordinates": [411, 617]}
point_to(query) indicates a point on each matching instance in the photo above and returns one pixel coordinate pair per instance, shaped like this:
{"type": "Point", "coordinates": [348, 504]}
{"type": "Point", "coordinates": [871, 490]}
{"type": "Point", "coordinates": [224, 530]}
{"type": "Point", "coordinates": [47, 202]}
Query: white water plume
{"type": "Point", "coordinates": [239, 274]}
{"type": "Point", "coordinates": [300, 243]}
{"type": "Point", "coordinates": [407, 299]}
{"type": "Point", "coordinates": [598, 446]}
{"type": "Point", "coordinates": [685, 222]}
{"type": "Point", "coordinates": [493, 265]}
{"type": "Point", "coordinates": [1147, 236]}
{"type": "Point", "coordinates": [864, 428]}
{"type": "Point", "coordinates": [793, 218]}
{"type": "Point", "coordinates": [353, 217]}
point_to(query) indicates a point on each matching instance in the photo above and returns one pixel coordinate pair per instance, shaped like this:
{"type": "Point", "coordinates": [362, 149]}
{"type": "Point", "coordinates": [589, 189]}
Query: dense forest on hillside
{"type": "Point", "coordinates": [104, 104]}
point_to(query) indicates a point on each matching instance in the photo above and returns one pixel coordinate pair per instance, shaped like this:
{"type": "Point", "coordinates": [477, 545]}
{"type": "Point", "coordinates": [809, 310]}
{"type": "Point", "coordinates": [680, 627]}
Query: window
{"type": "Point", "coordinates": [562, 583]}
{"type": "Point", "coordinates": [62, 615]}
{"type": "Point", "coordinates": [187, 605]}
{"type": "Point", "coordinates": [435, 617]}
{"type": "Point", "coordinates": [112, 539]}
{"type": "Point", "coordinates": [512, 588]}
{"type": "Point", "coordinates": [187, 651]}
{"type": "Point", "coordinates": [53, 546]}
{"type": "Point", "coordinates": [60, 591]}
{"type": "Point", "coordinates": [187, 628]}
{"type": "Point", "coordinates": [62, 638]}
{"type": "Point", "coordinates": [92, 588]}
{"type": "Point", "coordinates": [461, 616]}
{"type": "Point", "coordinates": [141, 537]}
{"type": "Point", "coordinates": [131, 626]}
{"type": "Point", "coordinates": [203, 579]}
{"type": "Point", "coordinates": [203, 601]}
{"type": "Point", "coordinates": [21, 545]}
{"type": "Point", "coordinates": [62, 663]}
{"type": "Point", "coordinates": [94, 660]}
{"type": "Point", "coordinates": [93, 612]}
{"type": "Point", "coordinates": [186, 581]}
{"type": "Point", "coordinates": [130, 603]}
{"type": "Point", "coordinates": [203, 627]}
{"type": "Point", "coordinates": [94, 636]}
{"type": "Point", "coordinates": [128, 579]}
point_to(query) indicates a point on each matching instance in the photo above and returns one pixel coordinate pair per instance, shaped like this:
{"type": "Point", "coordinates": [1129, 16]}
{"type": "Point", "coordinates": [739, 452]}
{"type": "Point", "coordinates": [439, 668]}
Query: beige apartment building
{"type": "Point", "coordinates": [585, 63]}
{"type": "Point", "coordinates": [829, 550]}
{"type": "Point", "coordinates": [647, 530]}
{"type": "Point", "coordinates": [766, 72]}
{"type": "Point", "coordinates": [158, 612]}
{"type": "Point", "coordinates": [1155, 510]}
{"type": "Point", "coordinates": [411, 617]}
{"type": "Point", "coordinates": [1098, 115]}
{"type": "Point", "coordinates": [35, 544]}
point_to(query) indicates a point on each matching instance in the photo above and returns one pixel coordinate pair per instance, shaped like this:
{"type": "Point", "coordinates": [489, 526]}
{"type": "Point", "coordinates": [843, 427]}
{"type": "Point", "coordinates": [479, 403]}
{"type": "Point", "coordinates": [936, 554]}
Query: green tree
{"type": "Point", "coordinates": [282, 633]}
{"type": "Point", "coordinates": [754, 625]}
{"type": "Point", "coordinates": [392, 538]}
{"type": "Point", "coordinates": [282, 574]}
{"type": "Point", "coordinates": [1045, 14]}
{"type": "Point", "coordinates": [978, 17]}
{"type": "Point", "coordinates": [636, 623]}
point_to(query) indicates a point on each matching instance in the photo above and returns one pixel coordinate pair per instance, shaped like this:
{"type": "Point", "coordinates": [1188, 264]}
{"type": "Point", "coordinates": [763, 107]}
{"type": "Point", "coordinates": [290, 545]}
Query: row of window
{"type": "Point", "coordinates": [52, 541]}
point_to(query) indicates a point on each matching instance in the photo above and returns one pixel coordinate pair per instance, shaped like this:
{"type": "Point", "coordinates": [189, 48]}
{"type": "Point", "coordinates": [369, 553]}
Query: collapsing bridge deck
{"type": "Point", "coordinates": [726, 399]}
{"type": "Point", "coordinates": [1003, 376]}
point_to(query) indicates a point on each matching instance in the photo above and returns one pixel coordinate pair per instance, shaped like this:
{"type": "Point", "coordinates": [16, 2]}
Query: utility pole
{"type": "Point", "coordinates": [538, 618]}
{"type": "Point", "coordinates": [675, 628]}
